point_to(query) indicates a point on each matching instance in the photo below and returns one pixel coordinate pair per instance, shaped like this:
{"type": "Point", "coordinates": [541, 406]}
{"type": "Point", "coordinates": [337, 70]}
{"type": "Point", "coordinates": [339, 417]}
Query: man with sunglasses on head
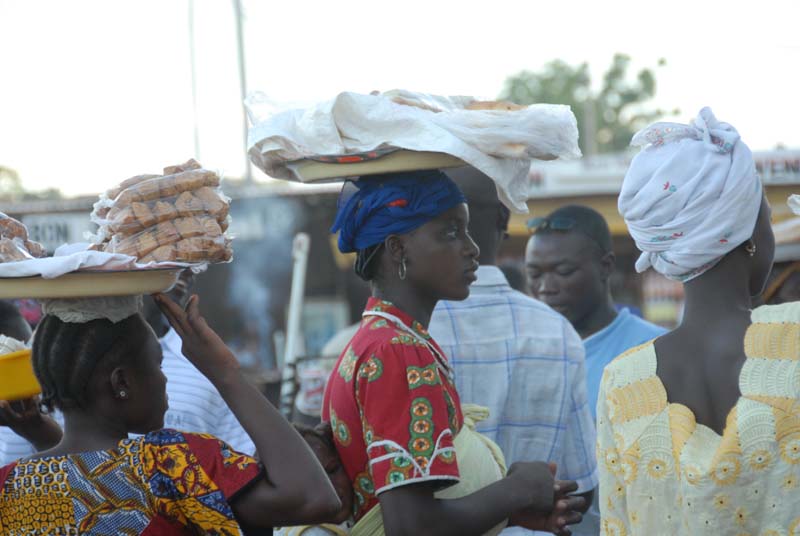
{"type": "Point", "coordinates": [569, 261]}
{"type": "Point", "coordinates": [516, 356]}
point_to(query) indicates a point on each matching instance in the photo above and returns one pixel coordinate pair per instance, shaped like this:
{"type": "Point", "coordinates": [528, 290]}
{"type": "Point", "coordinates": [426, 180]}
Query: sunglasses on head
{"type": "Point", "coordinates": [556, 224]}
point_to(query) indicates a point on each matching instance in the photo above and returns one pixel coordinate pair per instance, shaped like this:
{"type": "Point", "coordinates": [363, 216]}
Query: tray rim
{"type": "Point", "coordinates": [95, 272]}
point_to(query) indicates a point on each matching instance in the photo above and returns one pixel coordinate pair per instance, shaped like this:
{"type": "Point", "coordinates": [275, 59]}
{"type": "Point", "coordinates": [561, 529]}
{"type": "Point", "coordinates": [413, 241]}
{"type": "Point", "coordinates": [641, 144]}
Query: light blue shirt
{"type": "Point", "coordinates": [625, 332]}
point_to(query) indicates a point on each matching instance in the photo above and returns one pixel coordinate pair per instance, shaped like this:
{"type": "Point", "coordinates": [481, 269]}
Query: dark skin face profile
{"type": "Point", "coordinates": [568, 271]}
{"type": "Point", "coordinates": [441, 259]}
{"type": "Point", "coordinates": [700, 362]}
{"type": "Point", "coordinates": [148, 388]}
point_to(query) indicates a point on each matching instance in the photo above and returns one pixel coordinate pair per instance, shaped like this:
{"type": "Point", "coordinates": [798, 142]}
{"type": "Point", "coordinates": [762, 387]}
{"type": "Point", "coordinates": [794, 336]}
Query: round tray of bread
{"type": "Point", "coordinates": [332, 167]}
{"type": "Point", "coordinates": [90, 284]}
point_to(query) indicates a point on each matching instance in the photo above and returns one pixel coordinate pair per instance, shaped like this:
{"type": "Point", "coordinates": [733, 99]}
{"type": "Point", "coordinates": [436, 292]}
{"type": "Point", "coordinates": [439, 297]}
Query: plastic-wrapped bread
{"type": "Point", "coordinates": [35, 249]}
{"type": "Point", "coordinates": [137, 245]}
{"type": "Point", "coordinates": [164, 234]}
{"type": "Point", "coordinates": [188, 203]}
{"type": "Point", "coordinates": [165, 210]}
{"type": "Point", "coordinates": [14, 243]}
{"type": "Point", "coordinates": [211, 227]}
{"type": "Point", "coordinates": [195, 249]}
{"type": "Point", "coordinates": [127, 183]}
{"type": "Point", "coordinates": [141, 215]}
{"type": "Point", "coordinates": [201, 226]}
{"type": "Point", "coordinates": [180, 216]}
{"type": "Point", "coordinates": [12, 250]}
{"type": "Point", "coordinates": [213, 202]}
{"type": "Point", "coordinates": [11, 228]}
{"type": "Point", "coordinates": [167, 186]}
{"type": "Point", "coordinates": [161, 254]}
{"type": "Point", "coordinates": [186, 166]}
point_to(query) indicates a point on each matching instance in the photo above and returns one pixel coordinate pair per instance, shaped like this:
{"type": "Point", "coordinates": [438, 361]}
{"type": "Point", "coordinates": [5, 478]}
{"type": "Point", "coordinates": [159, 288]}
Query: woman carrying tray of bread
{"type": "Point", "coordinates": [391, 400]}
{"type": "Point", "coordinates": [98, 361]}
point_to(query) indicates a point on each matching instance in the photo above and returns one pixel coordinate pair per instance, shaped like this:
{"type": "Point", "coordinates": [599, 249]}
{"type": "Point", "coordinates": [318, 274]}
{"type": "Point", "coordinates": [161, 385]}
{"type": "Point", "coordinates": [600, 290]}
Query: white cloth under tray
{"type": "Point", "coordinates": [501, 144]}
{"type": "Point", "coordinates": [73, 257]}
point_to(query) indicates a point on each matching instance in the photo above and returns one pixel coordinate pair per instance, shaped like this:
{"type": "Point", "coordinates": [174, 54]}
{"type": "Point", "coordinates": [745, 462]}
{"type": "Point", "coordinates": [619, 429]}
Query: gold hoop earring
{"type": "Point", "coordinates": [402, 271]}
{"type": "Point", "coordinates": [750, 248]}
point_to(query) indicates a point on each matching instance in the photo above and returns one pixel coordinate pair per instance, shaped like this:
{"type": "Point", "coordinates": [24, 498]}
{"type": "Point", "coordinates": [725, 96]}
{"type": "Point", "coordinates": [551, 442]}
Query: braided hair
{"type": "Point", "coordinates": [66, 354]}
{"type": "Point", "coordinates": [366, 266]}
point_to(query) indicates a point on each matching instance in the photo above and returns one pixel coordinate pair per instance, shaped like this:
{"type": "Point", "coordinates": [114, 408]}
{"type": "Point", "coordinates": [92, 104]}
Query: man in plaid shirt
{"type": "Point", "coordinates": [517, 356]}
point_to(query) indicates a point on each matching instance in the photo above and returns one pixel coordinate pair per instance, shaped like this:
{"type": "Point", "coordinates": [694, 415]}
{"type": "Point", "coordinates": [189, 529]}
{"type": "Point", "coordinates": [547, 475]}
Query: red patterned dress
{"type": "Point", "coordinates": [393, 406]}
{"type": "Point", "coordinates": [164, 483]}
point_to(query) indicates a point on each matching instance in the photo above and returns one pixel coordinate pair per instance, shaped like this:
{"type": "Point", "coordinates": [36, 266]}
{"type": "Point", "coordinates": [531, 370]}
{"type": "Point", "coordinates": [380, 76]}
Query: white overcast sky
{"type": "Point", "coordinates": [94, 91]}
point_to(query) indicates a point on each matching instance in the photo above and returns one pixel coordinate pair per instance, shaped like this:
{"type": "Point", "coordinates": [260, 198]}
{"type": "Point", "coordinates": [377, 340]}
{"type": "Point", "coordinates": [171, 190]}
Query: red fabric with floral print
{"type": "Point", "coordinates": [393, 407]}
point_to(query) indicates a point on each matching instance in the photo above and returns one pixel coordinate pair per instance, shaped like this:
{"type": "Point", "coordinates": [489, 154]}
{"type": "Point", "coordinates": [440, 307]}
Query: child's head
{"type": "Point", "coordinates": [320, 439]}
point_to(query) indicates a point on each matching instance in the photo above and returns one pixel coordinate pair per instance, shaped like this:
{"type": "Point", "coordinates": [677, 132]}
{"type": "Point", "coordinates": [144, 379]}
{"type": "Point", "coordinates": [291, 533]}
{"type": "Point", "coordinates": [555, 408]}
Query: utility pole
{"type": "Point", "coordinates": [193, 67]}
{"type": "Point", "coordinates": [237, 7]}
{"type": "Point", "coordinates": [589, 129]}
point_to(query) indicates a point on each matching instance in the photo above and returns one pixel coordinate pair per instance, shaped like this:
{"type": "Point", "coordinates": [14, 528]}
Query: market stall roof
{"type": "Point", "coordinates": [787, 240]}
{"type": "Point", "coordinates": [606, 204]}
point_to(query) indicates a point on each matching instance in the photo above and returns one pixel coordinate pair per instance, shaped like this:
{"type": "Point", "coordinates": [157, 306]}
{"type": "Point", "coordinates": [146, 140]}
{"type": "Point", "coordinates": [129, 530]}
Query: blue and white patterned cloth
{"type": "Point", "coordinates": [524, 362]}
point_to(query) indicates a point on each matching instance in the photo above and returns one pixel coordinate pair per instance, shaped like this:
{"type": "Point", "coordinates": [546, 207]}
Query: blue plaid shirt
{"type": "Point", "coordinates": [524, 362]}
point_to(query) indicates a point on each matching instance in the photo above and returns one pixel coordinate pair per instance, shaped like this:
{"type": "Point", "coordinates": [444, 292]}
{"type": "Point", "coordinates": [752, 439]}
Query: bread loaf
{"type": "Point", "coordinates": [180, 216]}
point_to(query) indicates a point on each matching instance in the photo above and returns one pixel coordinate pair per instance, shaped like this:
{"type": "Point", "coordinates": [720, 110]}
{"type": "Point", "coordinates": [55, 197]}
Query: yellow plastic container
{"type": "Point", "coordinates": [17, 380]}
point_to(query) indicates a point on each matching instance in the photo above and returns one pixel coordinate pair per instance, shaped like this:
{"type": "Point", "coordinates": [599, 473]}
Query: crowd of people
{"type": "Point", "coordinates": [458, 405]}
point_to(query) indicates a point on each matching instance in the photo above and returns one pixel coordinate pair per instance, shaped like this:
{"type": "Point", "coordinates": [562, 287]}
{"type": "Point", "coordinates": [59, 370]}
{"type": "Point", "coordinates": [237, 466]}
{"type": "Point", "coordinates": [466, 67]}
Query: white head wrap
{"type": "Point", "coordinates": [794, 204]}
{"type": "Point", "coordinates": [82, 310]}
{"type": "Point", "coordinates": [9, 345]}
{"type": "Point", "coordinates": [690, 196]}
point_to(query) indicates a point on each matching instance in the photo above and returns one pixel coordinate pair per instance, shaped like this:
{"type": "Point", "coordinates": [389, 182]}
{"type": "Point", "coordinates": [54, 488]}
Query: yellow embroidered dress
{"type": "Point", "coordinates": [661, 473]}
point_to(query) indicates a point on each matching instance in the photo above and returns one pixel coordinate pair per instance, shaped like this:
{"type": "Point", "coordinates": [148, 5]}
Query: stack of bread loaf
{"type": "Point", "coordinates": [14, 243]}
{"type": "Point", "coordinates": [180, 216]}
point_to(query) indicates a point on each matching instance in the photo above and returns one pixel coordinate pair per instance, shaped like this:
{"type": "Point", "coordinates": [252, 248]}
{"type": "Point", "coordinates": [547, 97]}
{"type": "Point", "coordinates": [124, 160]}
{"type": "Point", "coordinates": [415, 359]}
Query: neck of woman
{"type": "Point", "coordinates": [85, 431]}
{"type": "Point", "coordinates": [718, 300]}
{"type": "Point", "coordinates": [408, 300]}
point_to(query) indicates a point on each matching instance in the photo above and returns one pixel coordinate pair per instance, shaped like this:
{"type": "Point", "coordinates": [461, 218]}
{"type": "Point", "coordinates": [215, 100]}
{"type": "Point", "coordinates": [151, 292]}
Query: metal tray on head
{"type": "Point", "coordinates": [89, 284]}
{"type": "Point", "coordinates": [331, 167]}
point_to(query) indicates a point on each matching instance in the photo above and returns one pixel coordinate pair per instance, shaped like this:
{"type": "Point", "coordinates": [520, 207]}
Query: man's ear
{"type": "Point", "coordinates": [608, 263]}
{"type": "Point", "coordinates": [120, 383]}
{"type": "Point", "coordinates": [396, 247]}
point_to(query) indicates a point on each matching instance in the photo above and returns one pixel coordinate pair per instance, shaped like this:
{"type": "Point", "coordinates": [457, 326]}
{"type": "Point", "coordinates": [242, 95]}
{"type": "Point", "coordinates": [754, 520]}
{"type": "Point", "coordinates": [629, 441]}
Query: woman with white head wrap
{"type": "Point", "coordinates": [691, 196]}
{"type": "Point", "coordinates": [698, 429]}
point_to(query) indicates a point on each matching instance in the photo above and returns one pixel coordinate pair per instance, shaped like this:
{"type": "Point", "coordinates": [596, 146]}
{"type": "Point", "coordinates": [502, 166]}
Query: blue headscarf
{"type": "Point", "coordinates": [395, 203]}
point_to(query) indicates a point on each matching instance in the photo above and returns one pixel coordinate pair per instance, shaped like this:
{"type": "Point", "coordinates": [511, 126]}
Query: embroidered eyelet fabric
{"type": "Point", "coordinates": [662, 473]}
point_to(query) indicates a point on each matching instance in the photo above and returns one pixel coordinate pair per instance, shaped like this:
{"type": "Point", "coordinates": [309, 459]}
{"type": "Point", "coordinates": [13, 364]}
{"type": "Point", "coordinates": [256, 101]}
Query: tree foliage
{"type": "Point", "coordinates": [607, 118]}
{"type": "Point", "coordinates": [12, 189]}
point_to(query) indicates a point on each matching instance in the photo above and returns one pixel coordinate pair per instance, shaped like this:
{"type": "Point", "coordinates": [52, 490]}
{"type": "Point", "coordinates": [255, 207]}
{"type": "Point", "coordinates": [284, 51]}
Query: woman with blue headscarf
{"type": "Point", "coordinates": [391, 400]}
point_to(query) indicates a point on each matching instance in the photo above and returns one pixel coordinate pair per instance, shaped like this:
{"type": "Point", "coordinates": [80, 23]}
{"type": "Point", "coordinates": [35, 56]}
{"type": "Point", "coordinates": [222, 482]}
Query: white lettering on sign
{"type": "Point", "coordinates": [54, 230]}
